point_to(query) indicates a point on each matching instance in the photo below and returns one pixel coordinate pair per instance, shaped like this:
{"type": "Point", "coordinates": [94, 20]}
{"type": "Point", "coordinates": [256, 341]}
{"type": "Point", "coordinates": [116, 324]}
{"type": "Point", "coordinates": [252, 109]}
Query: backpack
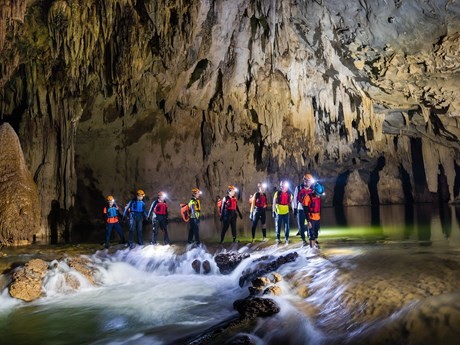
{"type": "Point", "coordinates": [185, 212]}
{"type": "Point", "coordinates": [219, 205]}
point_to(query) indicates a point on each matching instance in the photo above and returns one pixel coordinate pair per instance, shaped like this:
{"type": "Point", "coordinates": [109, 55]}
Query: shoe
{"type": "Point", "coordinates": [277, 241]}
{"type": "Point", "coordinates": [316, 244]}
{"type": "Point", "coordinates": [236, 241]}
{"type": "Point", "coordinates": [298, 233]}
{"type": "Point", "coordinates": [131, 246]}
{"type": "Point", "coordinates": [287, 242]}
{"type": "Point", "coordinates": [264, 239]}
{"type": "Point", "coordinates": [106, 246]}
{"type": "Point", "coordinates": [304, 243]}
{"type": "Point", "coordinates": [253, 240]}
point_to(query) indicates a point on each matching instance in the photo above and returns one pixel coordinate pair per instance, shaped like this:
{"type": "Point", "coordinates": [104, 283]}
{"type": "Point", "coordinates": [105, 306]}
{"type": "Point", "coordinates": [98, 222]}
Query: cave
{"type": "Point", "coordinates": [109, 98]}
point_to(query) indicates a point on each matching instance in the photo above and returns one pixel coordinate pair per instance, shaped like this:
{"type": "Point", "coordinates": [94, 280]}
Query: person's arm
{"type": "Point", "coordinates": [222, 207]}
{"type": "Point", "coordinates": [294, 200]}
{"type": "Point", "coordinates": [126, 209]}
{"type": "Point", "coordinates": [151, 211]}
{"type": "Point", "coordinates": [253, 203]}
{"type": "Point", "coordinates": [275, 201]}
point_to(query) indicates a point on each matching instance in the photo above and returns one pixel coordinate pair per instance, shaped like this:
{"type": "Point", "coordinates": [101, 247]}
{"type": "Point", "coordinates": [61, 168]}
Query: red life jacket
{"type": "Point", "coordinates": [261, 200]}
{"type": "Point", "coordinates": [284, 198]}
{"type": "Point", "coordinates": [230, 203]}
{"type": "Point", "coordinates": [302, 192]}
{"type": "Point", "coordinates": [315, 204]}
{"type": "Point", "coordinates": [161, 209]}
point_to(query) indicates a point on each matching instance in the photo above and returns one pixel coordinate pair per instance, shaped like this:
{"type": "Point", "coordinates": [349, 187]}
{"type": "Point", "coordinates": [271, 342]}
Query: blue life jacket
{"type": "Point", "coordinates": [137, 206]}
{"type": "Point", "coordinates": [111, 212]}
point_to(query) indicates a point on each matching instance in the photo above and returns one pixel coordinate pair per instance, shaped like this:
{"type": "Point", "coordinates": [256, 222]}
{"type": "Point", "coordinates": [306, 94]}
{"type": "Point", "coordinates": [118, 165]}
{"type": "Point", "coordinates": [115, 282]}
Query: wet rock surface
{"type": "Point", "coordinates": [27, 281]}
{"type": "Point", "coordinates": [267, 265]}
{"type": "Point", "coordinates": [227, 262]}
{"type": "Point", "coordinates": [256, 307]}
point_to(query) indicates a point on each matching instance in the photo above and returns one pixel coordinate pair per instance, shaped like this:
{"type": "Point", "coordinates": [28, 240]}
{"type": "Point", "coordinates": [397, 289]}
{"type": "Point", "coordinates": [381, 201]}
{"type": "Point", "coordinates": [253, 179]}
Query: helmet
{"type": "Point", "coordinates": [308, 177]}
{"type": "Point", "coordinates": [196, 191]}
{"type": "Point", "coordinates": [110, 198]}
{"type": "Point", "coordinates": [318, 188]}
{"type": "Point", "coordinates": [140, 192]}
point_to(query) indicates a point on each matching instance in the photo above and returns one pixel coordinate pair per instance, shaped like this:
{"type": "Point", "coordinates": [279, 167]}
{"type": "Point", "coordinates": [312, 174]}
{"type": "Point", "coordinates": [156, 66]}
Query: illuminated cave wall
{"type": "Point", "coordinates": [113, 95]}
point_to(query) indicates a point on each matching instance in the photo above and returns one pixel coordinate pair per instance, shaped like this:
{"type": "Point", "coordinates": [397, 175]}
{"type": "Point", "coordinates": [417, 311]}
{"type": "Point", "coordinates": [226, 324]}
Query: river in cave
{"type": "Point", "coordinates": [387, 275]}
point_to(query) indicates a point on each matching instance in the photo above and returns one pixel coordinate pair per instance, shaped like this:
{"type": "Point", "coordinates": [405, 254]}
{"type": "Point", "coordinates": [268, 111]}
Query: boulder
{"type": "Point", "coordinates": [273, 290]}
{"type": "Point", "coordinates": [196, 265]}
{"type": "Point", "coordinates": [227, 262]}
{"type": "Point", "coordinates": [206, 266]}
{"type": "Point", "coordinates": [19, 202]}
{"type": "Point", "coordinates": [256, 307]}
{"type": "Point", "coordinates": [27, 281]}
{"type": "Point", "coordinates": [276, 278]}
{"type": "Point", "coordinates": [260, 282]}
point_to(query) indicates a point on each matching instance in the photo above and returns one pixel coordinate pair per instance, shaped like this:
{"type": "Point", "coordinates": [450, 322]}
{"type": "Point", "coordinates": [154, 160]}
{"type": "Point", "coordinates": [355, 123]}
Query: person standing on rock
{"type": "Point", "coordinates": [136, 210]}
{"type": "Point", "coordinates": [281, 202]}
{"type": "Point", "coordinates": [159, 212]}
{"type": "Point", "coordinates": [258, 210]}
{"type": "Point", "coordinates": [111, 219]}
{"type": "Point", "coordinates": [228, 212]}
{"type": "Point", "coordinates": [299, 195]}
{"type": "Point", "coordinates": [194, 207]}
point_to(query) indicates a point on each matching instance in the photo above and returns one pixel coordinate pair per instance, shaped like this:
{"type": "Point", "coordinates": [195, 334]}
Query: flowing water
{"type": "Point", "coordinates": [382, 276]}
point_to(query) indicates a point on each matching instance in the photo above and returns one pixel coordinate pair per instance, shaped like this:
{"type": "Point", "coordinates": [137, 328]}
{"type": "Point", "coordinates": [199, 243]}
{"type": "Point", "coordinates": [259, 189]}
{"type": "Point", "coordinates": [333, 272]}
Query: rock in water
{"type": "Point", "coordinates": [206, 267]}
{"type": "Point", "coordinates": [196, 265]}
{"type": "Point", "coordinates": [19, 203]}
{"type": "Point", "coordinates": [255, 307]}
{"type": "Point", "coordinates": [27, 282]}
{"type": "Point", "coordinates": [227, 262]}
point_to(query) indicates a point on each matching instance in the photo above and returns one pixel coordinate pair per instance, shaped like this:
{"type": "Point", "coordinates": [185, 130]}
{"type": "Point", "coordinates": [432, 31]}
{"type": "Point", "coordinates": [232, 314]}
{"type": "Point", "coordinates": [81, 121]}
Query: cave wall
{"type": "Point", "coordinates": [111, 96]}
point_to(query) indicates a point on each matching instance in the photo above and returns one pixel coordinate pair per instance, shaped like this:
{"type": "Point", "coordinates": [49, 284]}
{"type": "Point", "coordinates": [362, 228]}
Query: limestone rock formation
{"type": "Point", "coordinates": [19, 202]}
{"type": "Point", "coordinates": [83, 266]}
{"type": "Point", "coordinates": [119, 95]}
{"type": "Point", "coordinates": [356, 191]}
{"type": "Point", "coordinates": [27, 281]}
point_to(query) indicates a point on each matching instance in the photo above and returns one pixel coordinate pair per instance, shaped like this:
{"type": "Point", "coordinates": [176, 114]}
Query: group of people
{"type": "Point", "coordinates": [305, 203]}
